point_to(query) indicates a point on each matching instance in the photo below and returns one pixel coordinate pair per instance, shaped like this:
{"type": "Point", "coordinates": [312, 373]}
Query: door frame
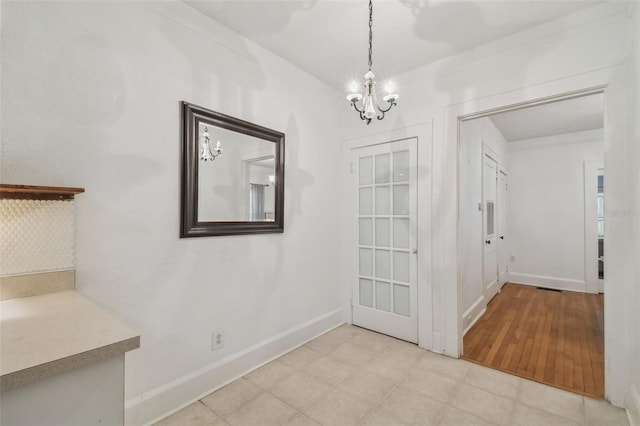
{"type": "Point", "coordinates": [423, 133]}
{"type": "Point", "coordinates": [502, 209]}
{"type": "Point", "coordinates": [607, 81]}
{"type": "Point", "coordinates": [474, 112]}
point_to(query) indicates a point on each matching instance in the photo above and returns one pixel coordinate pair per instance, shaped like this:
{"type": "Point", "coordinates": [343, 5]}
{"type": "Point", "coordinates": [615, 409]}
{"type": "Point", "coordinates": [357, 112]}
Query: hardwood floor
{"type": "Point", "coordinates": [556, 338]}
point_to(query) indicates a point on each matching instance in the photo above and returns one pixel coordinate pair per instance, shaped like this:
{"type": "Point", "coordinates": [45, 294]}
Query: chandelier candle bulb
{"type": "Point", "coordinates": [392, 97]}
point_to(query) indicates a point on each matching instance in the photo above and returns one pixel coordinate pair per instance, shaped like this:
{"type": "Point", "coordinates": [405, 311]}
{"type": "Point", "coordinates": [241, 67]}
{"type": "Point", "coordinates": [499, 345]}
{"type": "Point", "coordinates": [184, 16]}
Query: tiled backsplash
{"type": "Point", "coordinates": [36, 235]}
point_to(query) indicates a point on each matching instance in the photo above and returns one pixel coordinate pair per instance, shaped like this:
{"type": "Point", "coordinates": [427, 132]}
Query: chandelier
{"type": "Point", "coordinates": [205, 148]}
{"type": "Point", "coordinates": [369, 107]}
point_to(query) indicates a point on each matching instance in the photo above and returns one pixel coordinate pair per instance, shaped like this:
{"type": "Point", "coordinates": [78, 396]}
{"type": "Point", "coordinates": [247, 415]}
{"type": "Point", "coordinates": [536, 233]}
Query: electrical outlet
{"type": "Point", "coordinates": [217, 340]}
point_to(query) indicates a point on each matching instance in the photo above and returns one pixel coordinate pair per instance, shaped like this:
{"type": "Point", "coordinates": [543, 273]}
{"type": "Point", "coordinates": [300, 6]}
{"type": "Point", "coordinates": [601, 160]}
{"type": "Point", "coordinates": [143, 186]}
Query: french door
{"type": "Point", "coordinates": [384, 189]}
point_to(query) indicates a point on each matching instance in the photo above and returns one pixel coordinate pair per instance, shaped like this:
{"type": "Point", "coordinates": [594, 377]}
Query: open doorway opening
{"type": "Point", "coordinates": [531, 230]}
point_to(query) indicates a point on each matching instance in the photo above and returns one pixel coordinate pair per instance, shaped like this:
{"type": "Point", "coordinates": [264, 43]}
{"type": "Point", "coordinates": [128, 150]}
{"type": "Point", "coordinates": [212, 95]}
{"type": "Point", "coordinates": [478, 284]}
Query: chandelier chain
{"type": "Point", "coordinates": [370, 32]}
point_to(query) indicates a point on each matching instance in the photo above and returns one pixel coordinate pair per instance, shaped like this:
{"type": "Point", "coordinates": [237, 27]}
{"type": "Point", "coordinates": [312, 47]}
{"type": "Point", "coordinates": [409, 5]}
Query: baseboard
{"type": "Point", "coordinates": [549, 282]}
{"type": "Point", "coordinates": [173, 396]}
{"type": "Point", "coordinates": [473, 314]}
{"type": "Point", "coordinates": [633, 406]}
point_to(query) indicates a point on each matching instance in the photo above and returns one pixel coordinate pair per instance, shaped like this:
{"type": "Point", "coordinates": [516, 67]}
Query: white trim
{"type": "Point", "coordinates": [548, 282]}
{"type": "Point", "coordinates": [563, 139]}
{"type": "Point", "coordinates": [473, 314]}
{"type": "Point", "coordinates": [633, 406]}
{"type": "Point", "coordinates": [171, 397]}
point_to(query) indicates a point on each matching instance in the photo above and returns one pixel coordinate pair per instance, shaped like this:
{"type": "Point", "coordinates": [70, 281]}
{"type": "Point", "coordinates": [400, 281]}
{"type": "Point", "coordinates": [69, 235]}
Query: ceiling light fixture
{"type": "Point", "coordinates": [369, 108]}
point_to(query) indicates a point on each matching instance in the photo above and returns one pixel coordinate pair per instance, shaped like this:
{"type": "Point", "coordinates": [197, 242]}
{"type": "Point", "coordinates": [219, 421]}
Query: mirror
{"type": "Point", "coordinates": [232, 175]}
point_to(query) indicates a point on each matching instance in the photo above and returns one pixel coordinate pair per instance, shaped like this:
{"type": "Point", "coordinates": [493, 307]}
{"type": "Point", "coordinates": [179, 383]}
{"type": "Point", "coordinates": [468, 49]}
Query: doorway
{"type": "Point", "coordinates": [384, 283]}
{"type": "Point", "coordinates": [528, 197]}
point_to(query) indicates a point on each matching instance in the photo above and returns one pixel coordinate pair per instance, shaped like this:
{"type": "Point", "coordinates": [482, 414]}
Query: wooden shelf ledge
{"type": "Point", "coordinates": [30, 192]}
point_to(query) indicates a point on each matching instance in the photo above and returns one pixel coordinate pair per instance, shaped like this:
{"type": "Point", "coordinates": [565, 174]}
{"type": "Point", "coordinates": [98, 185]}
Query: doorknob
{"type": "Point", "coordinates": [502, 237]}
{"type": "Point", "coordinates": [487, 241]}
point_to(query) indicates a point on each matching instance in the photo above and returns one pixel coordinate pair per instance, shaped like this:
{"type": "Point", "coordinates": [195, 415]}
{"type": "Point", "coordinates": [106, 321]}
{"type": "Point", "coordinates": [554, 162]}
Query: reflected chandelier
{"type": "Point", "coordinates": [369, 107]}
{"type": "Point", "coordinates": [206, 154]}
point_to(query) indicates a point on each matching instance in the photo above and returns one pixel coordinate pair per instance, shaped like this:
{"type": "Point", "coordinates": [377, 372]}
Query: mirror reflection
{"type": "Point", "coordinates": [232, 175]}
{"type": "Point", "coordinates": [236, 176]}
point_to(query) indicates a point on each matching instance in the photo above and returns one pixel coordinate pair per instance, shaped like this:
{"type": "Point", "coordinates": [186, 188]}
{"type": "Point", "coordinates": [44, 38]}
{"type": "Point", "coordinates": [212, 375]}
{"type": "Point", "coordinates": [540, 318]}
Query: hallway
{"type": "Point", "coordinates": [552, 337]}
{"type": "Point", "coordinates": [351, 376]}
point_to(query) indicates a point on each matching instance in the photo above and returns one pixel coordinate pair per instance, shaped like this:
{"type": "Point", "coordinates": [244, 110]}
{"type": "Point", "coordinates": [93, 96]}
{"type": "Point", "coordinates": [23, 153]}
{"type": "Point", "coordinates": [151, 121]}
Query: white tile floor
{"type": "Point", "coordinates": [351, 376]}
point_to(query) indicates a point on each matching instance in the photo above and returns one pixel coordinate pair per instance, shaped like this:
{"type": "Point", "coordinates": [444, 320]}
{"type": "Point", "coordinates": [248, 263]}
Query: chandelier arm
{"type": "Point", "coordinates": [363, 118]}
{"type": "Point", "coordinates": [391, 104]}
{"type": "Point", "coordinates": [361, 111]}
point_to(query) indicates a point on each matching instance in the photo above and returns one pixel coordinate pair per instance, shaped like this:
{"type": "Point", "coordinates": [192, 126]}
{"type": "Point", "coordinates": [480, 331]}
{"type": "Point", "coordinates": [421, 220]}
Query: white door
{"type": "Point", "coordinates": [490, 252]}
{"type": "Point", "coordinates": [594, 226]}
{"type": "Point", "coordinates": [385, 276]}
{"type": "Point", "coordinates": [502, 226]}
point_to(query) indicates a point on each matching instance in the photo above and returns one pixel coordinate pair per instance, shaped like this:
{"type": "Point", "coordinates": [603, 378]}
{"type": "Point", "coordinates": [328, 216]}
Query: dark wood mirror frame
{"type": "Point", "coordinates": [192, 115]}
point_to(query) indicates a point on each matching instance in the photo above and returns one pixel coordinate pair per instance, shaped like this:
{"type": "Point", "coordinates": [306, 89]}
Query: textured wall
{"type": "Point", "coordinates": [36, 235]}
{"type": "Point", "coordinates": [100, 85]}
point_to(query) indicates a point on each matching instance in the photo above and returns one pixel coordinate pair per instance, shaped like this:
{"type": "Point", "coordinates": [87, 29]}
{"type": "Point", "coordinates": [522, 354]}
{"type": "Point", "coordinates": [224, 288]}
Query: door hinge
{"type": "Point", "coordinates": [350, 167]}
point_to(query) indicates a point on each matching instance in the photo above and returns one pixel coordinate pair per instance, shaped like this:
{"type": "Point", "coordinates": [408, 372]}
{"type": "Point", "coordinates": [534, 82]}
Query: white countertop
{"type": "Point", "coordinates": [41, 336]}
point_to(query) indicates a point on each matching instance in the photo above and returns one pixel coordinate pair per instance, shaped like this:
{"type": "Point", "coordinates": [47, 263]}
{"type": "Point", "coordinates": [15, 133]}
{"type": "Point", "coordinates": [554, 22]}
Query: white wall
{"type": "Point", "coordinates": [545, 209]}
{"type": "Point", "coordinates": [578, 51]}
{"type": "Point", "coordinates": [90, 98]}
{"type": "Point", "coordinates": [474, 134]}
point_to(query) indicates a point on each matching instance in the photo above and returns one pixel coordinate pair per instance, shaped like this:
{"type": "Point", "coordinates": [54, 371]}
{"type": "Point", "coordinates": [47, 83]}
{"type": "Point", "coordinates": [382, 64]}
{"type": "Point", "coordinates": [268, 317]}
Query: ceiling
{"type": "Point", "coordinates": [556, 118]}
{"type": "Point", "coordinates": [329, 38]}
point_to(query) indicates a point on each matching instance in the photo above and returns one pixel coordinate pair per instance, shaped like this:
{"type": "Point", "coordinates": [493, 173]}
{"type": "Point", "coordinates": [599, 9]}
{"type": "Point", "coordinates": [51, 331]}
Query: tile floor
{"type": "Point", "coordinates": [351, 376]}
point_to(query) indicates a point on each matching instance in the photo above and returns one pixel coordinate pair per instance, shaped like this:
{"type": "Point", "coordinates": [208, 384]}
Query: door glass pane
{"type": "Point", "coordinates": [401, 266]}
{"type": "Point", "coordinates": [490, 219]}
{"type": "Point", "coordinates": [401, 166]}
{"type": "Point", "coordinates": [600, 205]}
{"type": "Point", "coordinates": [401, 300]}
{"type": "Point", "coordinates": [366, 170]}
{"type": "Point", "coordinates": [383, 296]}
{"type": "Point", "coordinates": [366, 262]}
{"type": "Point", "coordinates": [382, 200]}
{"type": "Point", "coordinates": [366, 232]}
{"type": "Point", "coordinates": [401, 233]}
{"type": "Point", "coordinates": [382, 232]}
{"type": "Point", "coordinates": [382, 264]}
{"type": "Point", "coordinates": [401, 199]}
{"type": "Point", "coordinates": [366, 201]}
{"type": "Point", "coordinates": [366, 292]}
{"type": "Point", "coordinates": [382, 168]}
